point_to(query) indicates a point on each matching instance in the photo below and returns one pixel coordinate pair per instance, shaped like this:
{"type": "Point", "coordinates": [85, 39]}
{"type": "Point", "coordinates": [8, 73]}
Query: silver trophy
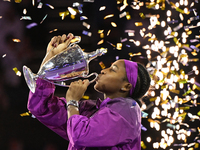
{"type": "Point", "coordinates": [69, 64]}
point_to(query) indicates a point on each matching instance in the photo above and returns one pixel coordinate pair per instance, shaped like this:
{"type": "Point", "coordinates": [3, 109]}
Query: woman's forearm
{"type": "Point", "coordinates": [72, 110]}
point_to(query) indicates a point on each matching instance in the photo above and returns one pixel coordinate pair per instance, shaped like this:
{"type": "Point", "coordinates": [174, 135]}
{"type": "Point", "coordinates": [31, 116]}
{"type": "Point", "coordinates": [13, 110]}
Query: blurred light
{"type": "Point", "coordinates": [163, 24]}
{"type": "Point", "coordinates": [148, 139]}
{"type": "Point", "coordinates": [192, 80]}
{"type": "Point", "coordinates": [169, 13]}
{"type": "Point", "coordinates": [156, 145]}
{"type": "Point", "coordinates": [194, 68]}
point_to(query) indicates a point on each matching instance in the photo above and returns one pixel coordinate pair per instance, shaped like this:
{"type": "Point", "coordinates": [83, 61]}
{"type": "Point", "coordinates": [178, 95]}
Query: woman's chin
{"type": "Point", "coordinates": [97, 88]}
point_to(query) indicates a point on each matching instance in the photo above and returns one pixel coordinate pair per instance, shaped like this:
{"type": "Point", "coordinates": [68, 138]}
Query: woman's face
{"type": "Point", "coordinates": [111, 80]}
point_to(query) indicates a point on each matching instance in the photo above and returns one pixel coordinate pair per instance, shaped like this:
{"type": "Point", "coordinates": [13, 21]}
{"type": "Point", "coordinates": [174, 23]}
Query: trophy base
{"type": "Point", "coordinates": [29, 78]}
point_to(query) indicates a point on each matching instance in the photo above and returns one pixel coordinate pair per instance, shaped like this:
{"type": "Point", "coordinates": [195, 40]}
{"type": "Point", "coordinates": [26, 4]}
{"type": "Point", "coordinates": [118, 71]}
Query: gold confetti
{"type": "Point", "coordinates": [108, 16]}
{"type": "Point", "coordinates": [119, 46]}
{"type": "Point", "coordinates": [138, 24]}
{"type": "Point", "coordinates": [16, 40]}
{"type": "Point", "coordinates": [25, 114]}
{"type": "Point", "coordinates": [100, 42]}
{"type": "Point", "coordinates": [53, 30]}
{"type": "Point", "coordinates": [63, 14]}
{"type": "Point", "coordinates": [102, 65]}
{"type": "Point", "coordinates": [17, 72]}
{"type": "Point", "coordinates": [85, 97]}
{"type": "Point", "coordinates": [113, 24]}
{"type": "Point", "coordinates": [101, 35]}
{"type": "Point", "coordinates": [108, 32]}
{"type": "Point", "coordinates": [18, 1]}
{"type": "Point", "coordinates": [128, 16]}
{"type": "Point", "coordinates": [143, 145]}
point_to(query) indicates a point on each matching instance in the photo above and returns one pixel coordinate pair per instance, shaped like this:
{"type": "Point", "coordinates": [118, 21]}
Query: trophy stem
{"type": "Point", "coordinates": [94, 54]}
{"type": "Point", "coordinates": [29, 78]}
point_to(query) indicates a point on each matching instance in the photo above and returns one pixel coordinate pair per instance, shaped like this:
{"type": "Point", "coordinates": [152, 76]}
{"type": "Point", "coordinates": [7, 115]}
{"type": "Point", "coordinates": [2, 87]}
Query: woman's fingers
{"type": "Point", "coordinates": [63, 38]}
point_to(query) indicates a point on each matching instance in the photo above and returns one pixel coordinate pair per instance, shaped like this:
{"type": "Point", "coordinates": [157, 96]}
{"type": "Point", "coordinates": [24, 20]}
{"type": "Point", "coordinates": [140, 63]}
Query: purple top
{"type": "Point", "coordinates": [114, 124]}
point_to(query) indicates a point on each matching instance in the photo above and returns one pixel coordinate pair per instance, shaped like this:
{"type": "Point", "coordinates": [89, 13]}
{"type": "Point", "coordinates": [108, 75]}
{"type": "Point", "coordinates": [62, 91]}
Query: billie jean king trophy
{"type": "Point", "coordinates": [69, 64]}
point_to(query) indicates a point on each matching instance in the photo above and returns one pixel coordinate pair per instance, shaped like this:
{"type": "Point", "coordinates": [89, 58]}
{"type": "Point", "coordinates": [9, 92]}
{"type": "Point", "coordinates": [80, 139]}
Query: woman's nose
{"type": "Point", "coordinates": [103, 71]}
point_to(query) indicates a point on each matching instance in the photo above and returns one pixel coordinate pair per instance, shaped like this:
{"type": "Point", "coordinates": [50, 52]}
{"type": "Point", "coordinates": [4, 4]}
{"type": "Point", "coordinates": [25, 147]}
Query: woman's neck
{"type": "Point", "coordinates": [111, 96]}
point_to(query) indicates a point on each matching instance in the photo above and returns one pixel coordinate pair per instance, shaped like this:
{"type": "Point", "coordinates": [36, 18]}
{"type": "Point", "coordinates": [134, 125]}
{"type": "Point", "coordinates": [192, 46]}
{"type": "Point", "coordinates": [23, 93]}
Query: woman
{"type": "Point", "coordinates": [111, 124]}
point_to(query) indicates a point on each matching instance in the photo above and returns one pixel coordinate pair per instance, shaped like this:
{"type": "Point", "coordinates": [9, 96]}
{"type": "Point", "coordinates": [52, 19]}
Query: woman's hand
{"type": "Point", "coordinates": [57, 45]}
{"type": "Point", "coordinates": [76, 90]}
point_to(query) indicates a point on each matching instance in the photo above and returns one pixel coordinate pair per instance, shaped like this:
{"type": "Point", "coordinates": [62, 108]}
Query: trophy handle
{"type": "Point", "coordinates": [62, 83]}
{"type": "Point", "coordinates": [29, 78]}
{"type": "Point", "coordinates": [94, 73]}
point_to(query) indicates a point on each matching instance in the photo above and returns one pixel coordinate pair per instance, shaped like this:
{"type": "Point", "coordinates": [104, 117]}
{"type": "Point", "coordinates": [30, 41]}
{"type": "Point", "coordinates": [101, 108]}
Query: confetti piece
{"type": "Point", "coordinates": [142, 15]}
{"type": "Point", "coordinates": [108, 32]}
{"type": "Point", "coordinates": [24, 11]}
{"type": "Point", "coordinates": [100, 42]}
{"type": "Point", "coordinates": [33, 2]}
{"type": "Point", "coordinates": [119, 46]}
{"type": "Point", "coordinates": [87, 33]}
{"type": "Point", "coordinates": [83, 18]}
{"type": "Point", "coordinates": [53, 30]}
{"type": "Point", "coordinates": [40, 5]}
{"type": "Point", "coordinates": [143, 128]}
{"type": "Point", "coordinates": [29, 26]}
{"type": "Point", "coordinates": [111, 44]}
{"type": "Point", "coordinates": [138, 24]}
{"type": "Point", "coordinates": [17, 72]}
{"type": "Point", "coordinates": [143, 145]}
{"type": "Point", "coordinates": [144, 114]}
{"type": "Point", "coordinates": [25, 18]}
{"type": "Point", "coordinates": [43, 19]}
{"type": "Point", "coordinates": [85, 97]}
{"type": "Point", "coordinates": [4, 56]}
{"type": "Point", "coordinates": [18, 1]}
{"type": "Point", "coordinates": [101, 35]}
{"type": "Point", "coordinates": [122, 15]}
{"type": "Point", "coordinates": [50, 6]}
{"type": "Point", "coordinates": [102, 8]}
{"type": "Point", "coordinates": [24, 114]}
{"type": "Point", "coordinates": [16, 40]}
{"type": "Point", "coordinates": [86, 25]}
{"type": "Point", "coordinates": [178, 27]}
{"type": "Point", "coordinates": [108, 16]}
{"type": "Point", "coordinates": [63, 14]}
{"type": "Point", "coordinates": [91, 1]}
{"type": "Point", "coordinates": [71, 10]}
{"type": "Point", "coordinates": [102, 65]}
{"type": "Point", "coordinates": [113, 24]}
{"type": "Point", "coordinates": [128, 16]}
{"type": "Point", "coordinates": [124, 40]}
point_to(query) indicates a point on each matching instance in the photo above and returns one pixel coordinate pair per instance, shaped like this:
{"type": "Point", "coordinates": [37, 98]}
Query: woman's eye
{"type": "Point", "coordinates": [112, 69]}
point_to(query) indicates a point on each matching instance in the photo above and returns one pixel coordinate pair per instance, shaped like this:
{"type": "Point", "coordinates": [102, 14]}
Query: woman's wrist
{"type": "Point", "coordinates": [72, 110]}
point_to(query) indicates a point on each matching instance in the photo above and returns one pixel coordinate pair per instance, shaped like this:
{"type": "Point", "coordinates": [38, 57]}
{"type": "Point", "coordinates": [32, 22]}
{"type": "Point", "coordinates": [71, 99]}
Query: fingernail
{"type": "Point", "coordinates": [55, 45]}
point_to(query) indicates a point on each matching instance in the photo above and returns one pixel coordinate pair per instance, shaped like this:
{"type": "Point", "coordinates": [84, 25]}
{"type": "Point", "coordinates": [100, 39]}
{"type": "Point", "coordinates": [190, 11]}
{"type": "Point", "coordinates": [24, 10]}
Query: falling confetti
{"type": "Point", "coordinates": [17, 72]}
{"type": "Point", "coordinates": [43, 19]}
{"type": "Point", "coordinates": [16, 40]}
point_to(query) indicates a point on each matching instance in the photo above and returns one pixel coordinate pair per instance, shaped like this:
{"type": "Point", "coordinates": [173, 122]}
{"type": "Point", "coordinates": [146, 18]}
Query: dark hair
{"type": "Point", "coordinates": [142, 85]}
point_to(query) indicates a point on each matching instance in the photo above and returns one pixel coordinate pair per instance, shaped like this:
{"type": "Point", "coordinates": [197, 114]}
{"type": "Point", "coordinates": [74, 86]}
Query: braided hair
{"type": "Point", "coordinates": [142, 85]}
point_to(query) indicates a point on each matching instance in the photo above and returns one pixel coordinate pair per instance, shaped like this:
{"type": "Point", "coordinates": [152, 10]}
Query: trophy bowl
{"type": "Point", "coordinates": [69, 64]}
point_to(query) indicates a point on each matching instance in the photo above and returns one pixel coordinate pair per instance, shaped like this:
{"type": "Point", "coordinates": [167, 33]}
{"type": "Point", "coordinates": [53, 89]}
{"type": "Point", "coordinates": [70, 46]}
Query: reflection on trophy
{"type": "Point", "coordinates": [69, 64]}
